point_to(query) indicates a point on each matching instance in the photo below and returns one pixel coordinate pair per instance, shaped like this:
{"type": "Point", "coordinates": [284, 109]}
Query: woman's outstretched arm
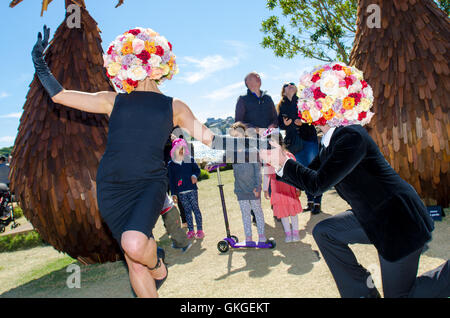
{"type": "Point", "coordinates": [183, 117]}
{"type": "Point", "coordinates": [101, 102]}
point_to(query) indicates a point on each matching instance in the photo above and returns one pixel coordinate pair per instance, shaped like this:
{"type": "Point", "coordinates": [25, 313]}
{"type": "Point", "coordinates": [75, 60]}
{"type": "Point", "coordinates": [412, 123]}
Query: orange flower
{"type": "Point", "coordinates": [127, 48]}
{"type": "Point", "coordinates": [127, 87]}
{"type": "Point", "coordinates": [348, 103]}
{"type": "Point", "coordinates": [150, 47]}
{"type": "Point", "coordinates": [348, 71]}
{"type": "Point", "coordinates": [306, 116]}
{"type": "Point", "coordinates": [328, 114]}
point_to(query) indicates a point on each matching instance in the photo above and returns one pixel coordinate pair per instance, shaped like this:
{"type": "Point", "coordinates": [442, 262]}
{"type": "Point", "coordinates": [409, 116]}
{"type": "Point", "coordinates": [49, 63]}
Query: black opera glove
{"type": "Point", "coordinates": [48, 81]}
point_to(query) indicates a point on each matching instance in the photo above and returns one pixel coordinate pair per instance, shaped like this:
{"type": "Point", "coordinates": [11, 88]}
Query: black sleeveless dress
{"type": "Point", "coordinates": [131, 177]}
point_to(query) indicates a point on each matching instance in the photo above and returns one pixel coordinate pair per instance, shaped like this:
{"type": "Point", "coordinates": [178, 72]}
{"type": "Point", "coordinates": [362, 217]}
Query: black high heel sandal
{"type": "Point", "coordinates": [161, 254]}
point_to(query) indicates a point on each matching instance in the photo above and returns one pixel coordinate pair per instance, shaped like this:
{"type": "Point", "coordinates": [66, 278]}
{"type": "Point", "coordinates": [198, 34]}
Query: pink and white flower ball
{"type": "Point", "coordinates": [335, 94]}
{"type": "Point", "coordinates": [137, 54]}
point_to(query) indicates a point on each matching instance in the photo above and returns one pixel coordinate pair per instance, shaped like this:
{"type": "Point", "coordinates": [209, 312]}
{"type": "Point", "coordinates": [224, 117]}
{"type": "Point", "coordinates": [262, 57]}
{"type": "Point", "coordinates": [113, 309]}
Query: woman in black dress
{"type": "Point", "coordinates": [131, 197]}
{"type": "Point", "coordinates": [301, 139]}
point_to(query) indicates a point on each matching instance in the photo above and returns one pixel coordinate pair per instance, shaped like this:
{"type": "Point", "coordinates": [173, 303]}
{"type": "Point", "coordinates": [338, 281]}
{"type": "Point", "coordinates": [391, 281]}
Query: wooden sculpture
{"type": "Point", "coordinates": [406, 63]}
{"type": "Point", "coordinates": [58, 149]}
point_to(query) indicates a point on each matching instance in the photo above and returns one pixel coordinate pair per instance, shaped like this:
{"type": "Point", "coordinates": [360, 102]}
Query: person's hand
{"type": "Point", "coordinates": [266, 195]}
{"type": "Point", "coordinates": [175, 199]}
{"type": "Point", "coordinates": [194, 179]}
{"type": "Point", "coordinates": [298, 122]}
{"type": "Point", "coordinates": [41, 44]}
{"type": "Point", "coordinates": [275, 157]}
{"type": "Point", "coordinates": [257, 193]}
{"type": "Point", "coordinates": [287, 121]}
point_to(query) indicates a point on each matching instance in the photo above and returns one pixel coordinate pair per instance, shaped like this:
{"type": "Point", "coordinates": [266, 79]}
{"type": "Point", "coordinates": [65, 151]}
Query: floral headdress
{"type": "Point", "coordinates": [137, 54]}
{"type": "Point", "coordinates": [335, 94]}
{"type": "Point", "coordinates": [179, 142]}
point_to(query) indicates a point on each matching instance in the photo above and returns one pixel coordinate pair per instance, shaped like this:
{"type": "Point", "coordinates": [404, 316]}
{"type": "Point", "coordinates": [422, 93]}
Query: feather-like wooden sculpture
{"type": "Point", "coordinates": [405, 60]}
{"type": "Point", "coordinates": [58, 149]}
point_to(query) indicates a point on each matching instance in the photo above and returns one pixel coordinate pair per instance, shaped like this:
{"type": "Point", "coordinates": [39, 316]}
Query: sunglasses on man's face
{"type": "Point", "coordinates": [286, 85]}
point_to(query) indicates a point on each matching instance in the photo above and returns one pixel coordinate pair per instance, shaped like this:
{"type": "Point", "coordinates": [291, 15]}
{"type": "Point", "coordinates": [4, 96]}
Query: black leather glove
{"type": "Point", "coordinates": [47, 79]}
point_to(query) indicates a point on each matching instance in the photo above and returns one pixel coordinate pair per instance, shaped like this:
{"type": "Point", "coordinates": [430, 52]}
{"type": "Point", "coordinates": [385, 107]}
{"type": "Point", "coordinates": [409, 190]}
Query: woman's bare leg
{"type": "Point", "coordinates": [140, 254]}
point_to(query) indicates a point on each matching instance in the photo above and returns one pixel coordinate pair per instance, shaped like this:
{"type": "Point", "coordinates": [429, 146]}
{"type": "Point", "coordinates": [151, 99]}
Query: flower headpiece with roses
{"type": "Point", "coordinates": [137, 54]}
{"type": "Point", "coordinates": [335, 94]}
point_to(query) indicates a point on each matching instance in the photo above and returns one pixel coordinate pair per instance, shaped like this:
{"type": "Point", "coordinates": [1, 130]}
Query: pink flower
{"type": "Point", "coordinates": [138, 46]}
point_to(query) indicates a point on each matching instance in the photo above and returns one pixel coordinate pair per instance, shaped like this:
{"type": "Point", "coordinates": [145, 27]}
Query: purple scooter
{"type": "Point", "coordinates": [232, 240]}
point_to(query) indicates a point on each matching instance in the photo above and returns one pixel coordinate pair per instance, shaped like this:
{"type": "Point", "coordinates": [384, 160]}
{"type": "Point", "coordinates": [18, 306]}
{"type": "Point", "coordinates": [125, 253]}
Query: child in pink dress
{"type": "Point", "coordinates": [284, 198]}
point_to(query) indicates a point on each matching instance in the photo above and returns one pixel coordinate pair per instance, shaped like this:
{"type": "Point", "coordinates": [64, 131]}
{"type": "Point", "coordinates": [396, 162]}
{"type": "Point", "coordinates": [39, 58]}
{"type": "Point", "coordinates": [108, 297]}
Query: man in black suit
{"type": "Point", "coordinates": [385, 211]}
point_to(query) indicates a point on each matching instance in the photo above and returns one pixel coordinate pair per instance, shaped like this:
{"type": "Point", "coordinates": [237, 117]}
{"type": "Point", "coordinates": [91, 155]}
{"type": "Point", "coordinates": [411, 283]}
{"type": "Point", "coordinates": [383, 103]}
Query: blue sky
{"type": "Point", "coordinates": [216, 43]}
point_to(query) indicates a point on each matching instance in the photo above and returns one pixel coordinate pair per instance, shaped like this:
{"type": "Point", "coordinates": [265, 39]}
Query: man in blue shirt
{"type": "Point", "coordinates": [256, 109]}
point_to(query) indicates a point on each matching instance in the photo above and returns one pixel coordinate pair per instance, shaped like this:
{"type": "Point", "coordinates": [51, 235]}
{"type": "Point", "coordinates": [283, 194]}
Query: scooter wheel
{"type": "Point", "coordinates": [235, 238]}
{"type": "Point", "coordinates": [272, 242]}
{"type": "Point", "coordinates": [223, 247]}
{"type": "Point", "coordinates": [2, 229]}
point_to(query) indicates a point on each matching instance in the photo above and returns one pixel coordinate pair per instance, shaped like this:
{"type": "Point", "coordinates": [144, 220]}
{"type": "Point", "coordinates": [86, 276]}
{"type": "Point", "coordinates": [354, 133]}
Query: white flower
{"type": "Point", "coordinates": [368, 92]}
{"type": "Point", "coordinates": [123, 74]}
{"type": "Point", "coordinates": [329, 83]}
{"type": "Point", "coordinates": [341, 93]}
{"type": "Point", "coordinates": [366, 120]}
{"type": "Point", "coordinates": [136, 73]}
{"type": "Point", "coordinates": [138, 46]}
{"type": "Point", "coordinates": [162, 41]}
{"type": "Point", "coordinates": [155, 60]}
{"type": "Point", "coordinates": [315, 113]}
{"type": "Point", "coordinates": [351, 114]}
{"type": "Point", "coordinates": [358, 74]}
{"type": "Point", "coordinates": [355, 87]}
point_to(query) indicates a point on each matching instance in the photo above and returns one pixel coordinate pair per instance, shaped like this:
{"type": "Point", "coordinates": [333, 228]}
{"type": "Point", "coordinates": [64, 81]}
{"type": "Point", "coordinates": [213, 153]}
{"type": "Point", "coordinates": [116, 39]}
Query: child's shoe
{"type": "Point", "coordinates": [200, 234]}
{"type": "Point", "coordinates": [288, 238]}
{"type": "Point", "coordinates": [295, 237]}
{"type": "Point", "coordinates": [190, 234]}
{"type": "Point", "coordinates": [262, 238]}
{"type": "Point", "coordinates": [186, 248]}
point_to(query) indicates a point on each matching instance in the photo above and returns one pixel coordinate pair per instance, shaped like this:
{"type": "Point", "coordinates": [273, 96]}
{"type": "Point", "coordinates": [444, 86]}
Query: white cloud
{"type": "Point", "coordinates": [227, 91]}
{"type": "Point", "coordinates": [207, 66]}
{"type": "Point", "coordinates": [4, 94]}
{"type": "Point", "coordinates": [12, 115]}
{"type": "Point", "coordinates": [9, 139]}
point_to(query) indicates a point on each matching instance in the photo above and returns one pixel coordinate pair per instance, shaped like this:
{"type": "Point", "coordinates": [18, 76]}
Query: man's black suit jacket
{"type": "Point", "coordinates": [388, 208]}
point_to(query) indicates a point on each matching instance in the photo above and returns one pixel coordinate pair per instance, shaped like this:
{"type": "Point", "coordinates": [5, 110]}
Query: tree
{"type": "Point", "coordinates": [318, 29]}
{"type": "Point", "coordinates": [406, 61]}
{"type": "Point", "coordinates": [57, 149]}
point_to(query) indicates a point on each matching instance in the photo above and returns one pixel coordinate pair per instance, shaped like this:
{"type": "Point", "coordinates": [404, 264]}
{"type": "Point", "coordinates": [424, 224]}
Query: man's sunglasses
{"type": "Point", "coordinates": [287, 84]}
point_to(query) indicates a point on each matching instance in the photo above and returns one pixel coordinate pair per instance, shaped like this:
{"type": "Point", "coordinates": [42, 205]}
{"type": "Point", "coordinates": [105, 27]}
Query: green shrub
{"type": "Point", "coordinates": [203, 175]}
{"type": "Point", "coordinates": [18, 213]}
{"type": "Point", "coordinates": [9, 243]}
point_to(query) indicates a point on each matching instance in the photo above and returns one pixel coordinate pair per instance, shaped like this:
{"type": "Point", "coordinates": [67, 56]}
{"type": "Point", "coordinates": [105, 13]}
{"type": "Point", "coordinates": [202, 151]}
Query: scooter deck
{"type": "Point", "coordinates": [249, 244]}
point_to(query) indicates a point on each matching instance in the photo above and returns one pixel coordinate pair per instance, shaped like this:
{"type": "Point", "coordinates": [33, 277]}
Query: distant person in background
{"type": "Point", "coordinates": [4, 174]}
{"type": "Point", "coordinates": [301, 139]}
{"type": "Point", "coordinates": [171, 219]}
{"type": "Point", "coordinates": [256, 109]}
